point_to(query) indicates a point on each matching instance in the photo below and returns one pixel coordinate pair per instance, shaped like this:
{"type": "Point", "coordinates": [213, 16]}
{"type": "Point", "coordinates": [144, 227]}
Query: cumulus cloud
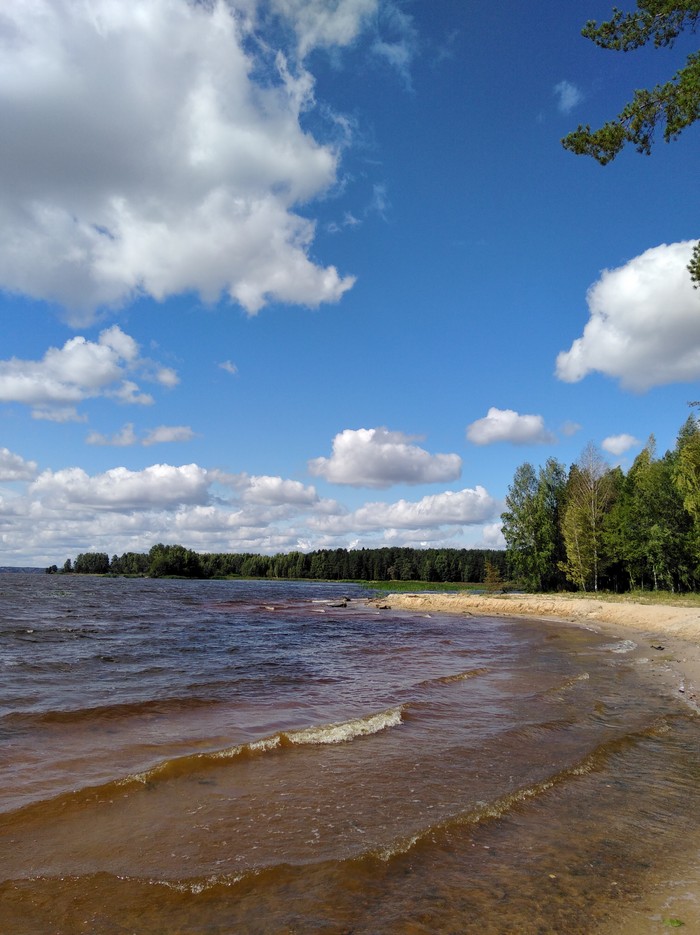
{"type": "Point", "coordinates": [229, 367]}
{"type": "Point", "coordinates": [160, 485]}
{"type": "Point", "coordinates": [506, 425]}
{"type": "Point", "coordinates": [13, 467]}
{"type": "Point", "coordinates": [79, 370]}
{"type": "Point", "coordinates": [450, 508]}
{"type": "Point", "coordinates": [462, 507]}
{"type": "Point", "coordinates": [277, 490]}
{"type": "Point", "coordinates": [618, 444]}
{"type": "Point", "coordinates": [644, 325]}
{"type": "Point", "coordinates": [568, 96]}
{"type": "Point", "coordinates": [381, 458]}
{"type": "Point", "coordinates": [156, 147]}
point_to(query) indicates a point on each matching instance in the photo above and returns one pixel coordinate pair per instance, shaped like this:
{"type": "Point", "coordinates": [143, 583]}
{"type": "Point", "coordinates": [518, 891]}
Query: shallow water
{"type": "Point", "coordinates": [226, 757]}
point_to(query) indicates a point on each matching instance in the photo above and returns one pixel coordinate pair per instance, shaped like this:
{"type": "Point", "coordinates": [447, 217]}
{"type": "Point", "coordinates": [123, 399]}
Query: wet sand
{"type": "Point", "coordinates": [667, 639]}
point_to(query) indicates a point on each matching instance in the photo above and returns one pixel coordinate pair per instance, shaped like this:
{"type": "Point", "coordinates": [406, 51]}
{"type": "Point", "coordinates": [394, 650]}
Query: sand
{"type": "Point", "coordinates": [667, 639]}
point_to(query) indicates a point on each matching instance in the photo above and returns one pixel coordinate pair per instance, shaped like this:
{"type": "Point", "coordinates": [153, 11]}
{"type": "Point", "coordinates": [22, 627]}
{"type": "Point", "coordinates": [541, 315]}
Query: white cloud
{"type": "Point", "coordinates": [380, 458]}
{"type": "Point", "coordinates": [450, 508]}
{"type": "Point", "coordinates": [506, 425]}
{"type": "Point", "coordinates": [276, 490]}
{"type": "Point", "coordinates": [58, 414]}
{"type": "Point", "coordinates": [618, 444]}
{"type": "Point", "coordinates": [152, 148]}
{"type": "Point", "coordinates": [126, 436]}
{"type": "Point", "coordinates": [397, 41]}
{"type": "Point", "coordinates": [79, 370]}
{"type": "Point", "coordinates": [168, 433]}
{"type": "Point", "coordinates": [121, 439]}
{"type": "Point", "coordinates": [160, 485]}
{"type": "Point", "coordinates": [13, 467]}
{"type": "Point", "coordinates": [166, 376]}
{"type": "Point", "coordinates": [229, 367]}
{"type": "Point", "coordinates": [319, 23]}
{"type": "Point", "coordinates": [644, 325]}
{"type": "Point", "coordinates": [569, 96]}
{"type": "Point", "coordinates": [492, 536]}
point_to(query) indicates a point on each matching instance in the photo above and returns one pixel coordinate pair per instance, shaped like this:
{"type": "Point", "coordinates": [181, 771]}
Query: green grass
{"type": "Point", "coordinates": [398, 587]}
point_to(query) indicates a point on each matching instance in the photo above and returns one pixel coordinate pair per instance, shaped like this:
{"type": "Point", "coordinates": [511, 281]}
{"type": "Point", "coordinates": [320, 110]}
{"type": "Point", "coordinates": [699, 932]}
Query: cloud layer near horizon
{"type": "Point", "coordinates": [156, 148]}
{"type": "Point", "coordinates": [129, 510]}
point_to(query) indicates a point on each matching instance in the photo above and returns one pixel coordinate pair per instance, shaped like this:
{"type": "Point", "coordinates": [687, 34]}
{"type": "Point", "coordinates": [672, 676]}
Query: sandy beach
{"type": "Point", "coordinates": [667, 648]}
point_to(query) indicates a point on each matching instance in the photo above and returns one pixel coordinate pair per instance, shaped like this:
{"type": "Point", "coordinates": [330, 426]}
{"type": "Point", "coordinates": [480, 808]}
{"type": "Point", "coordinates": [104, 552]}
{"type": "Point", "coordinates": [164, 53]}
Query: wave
{"type": "Point", "coordinates": [368, 861]}
{"type": "Point", "coordinates": [457, 677]}
{"type": "Point", "coordinates": [103, 712]}
{"type": "Point", "coordinates": [184, 766]}
{"type": "Point", "coordinates": [565, 686]}
{"type": "Point", "coordinates": [341, 732]}
{"type": "Point", "coordinates": [597, 759]}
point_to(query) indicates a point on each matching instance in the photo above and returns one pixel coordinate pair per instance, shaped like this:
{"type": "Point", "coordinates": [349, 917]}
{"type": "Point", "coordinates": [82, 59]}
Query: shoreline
{"type": "Point", "coordinates": [667, 637]}
{"type": "Point", "coordinates": [668, 651]}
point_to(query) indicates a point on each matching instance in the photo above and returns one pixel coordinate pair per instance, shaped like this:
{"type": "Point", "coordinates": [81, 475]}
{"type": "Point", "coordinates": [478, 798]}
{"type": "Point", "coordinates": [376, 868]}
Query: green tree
{"type": "Point", "coordinates": [659, 523]}
{"type": "Point", "coordinates": [531, 525]}
{"type": "Point", "coordinates": [672, 106]}
{"type": "Point", "coordinates": [686, 476]}
{"type": "Point", "coordinates": [173, 560]}
{"type": "Point", "coordinates": [687, 468]}
{"type": "Point", "coordinates": [589, 495]}
{"type": "Point", "coordinates": [91, 563]}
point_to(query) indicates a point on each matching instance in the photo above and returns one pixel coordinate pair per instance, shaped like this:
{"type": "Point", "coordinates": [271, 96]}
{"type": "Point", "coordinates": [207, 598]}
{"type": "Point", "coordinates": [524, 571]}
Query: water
{"type": "Point", "coordinates": [246, 757]}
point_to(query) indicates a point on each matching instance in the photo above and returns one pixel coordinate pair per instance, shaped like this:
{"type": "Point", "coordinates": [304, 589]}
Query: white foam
{"type": "Point", "coordinates": [624, 646]}
{"type": "Point", "coordinates": [347, 730]}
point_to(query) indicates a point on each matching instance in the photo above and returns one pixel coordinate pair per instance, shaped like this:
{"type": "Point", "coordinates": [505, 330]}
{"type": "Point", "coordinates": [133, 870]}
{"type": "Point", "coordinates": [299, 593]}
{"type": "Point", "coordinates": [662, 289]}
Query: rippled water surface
{"type": "Point", "coordinates": [269, 757]}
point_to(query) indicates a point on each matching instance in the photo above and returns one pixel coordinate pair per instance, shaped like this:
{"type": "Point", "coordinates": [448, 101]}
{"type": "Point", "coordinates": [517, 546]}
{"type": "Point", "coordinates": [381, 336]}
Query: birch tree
{"type": "Point", "coordinates": [589, 496]}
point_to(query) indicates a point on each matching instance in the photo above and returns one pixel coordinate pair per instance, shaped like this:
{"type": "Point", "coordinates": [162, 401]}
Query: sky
{"type": "Point", "coordinates": [295, 274]}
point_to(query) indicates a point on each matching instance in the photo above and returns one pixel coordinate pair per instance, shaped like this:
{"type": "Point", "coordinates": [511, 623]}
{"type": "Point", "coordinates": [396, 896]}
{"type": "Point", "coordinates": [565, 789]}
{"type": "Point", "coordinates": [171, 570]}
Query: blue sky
{"type": "Point", "coordinates": [297, 274]}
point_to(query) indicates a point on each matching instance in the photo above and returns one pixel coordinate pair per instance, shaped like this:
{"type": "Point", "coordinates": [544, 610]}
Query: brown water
{"type": "Point", "coordinates": [239, 757]}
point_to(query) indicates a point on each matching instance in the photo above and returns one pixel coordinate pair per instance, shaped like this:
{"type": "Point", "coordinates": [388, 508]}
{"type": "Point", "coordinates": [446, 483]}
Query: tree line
{"type": "Point", "coordinates": [385, 564]}
{"type": "Point", "coordinates": [594, 527]}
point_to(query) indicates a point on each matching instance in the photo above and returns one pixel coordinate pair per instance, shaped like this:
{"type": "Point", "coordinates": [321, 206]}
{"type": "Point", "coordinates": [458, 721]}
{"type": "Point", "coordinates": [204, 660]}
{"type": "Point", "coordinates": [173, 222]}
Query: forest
{"type": "Point", "coordinates": [594, 527]}
{"type": "Point", "coordinates": [385, 564]}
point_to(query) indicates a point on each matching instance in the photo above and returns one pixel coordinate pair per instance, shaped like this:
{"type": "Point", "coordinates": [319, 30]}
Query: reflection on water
{"type": "Point", "coordinates": [221, 757]}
